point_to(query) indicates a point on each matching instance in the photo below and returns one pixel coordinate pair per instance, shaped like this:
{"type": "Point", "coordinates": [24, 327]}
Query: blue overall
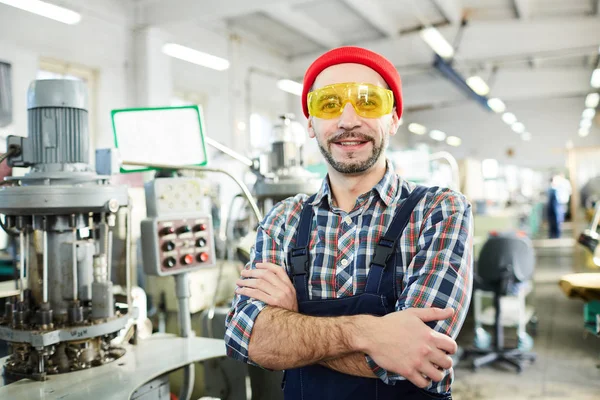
{"type": "Point", "coordinates": [379, 298]}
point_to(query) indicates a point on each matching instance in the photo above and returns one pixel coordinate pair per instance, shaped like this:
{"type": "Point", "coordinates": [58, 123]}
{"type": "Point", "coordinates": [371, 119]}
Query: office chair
{"type": "Point", "coordinates": [506, 261]}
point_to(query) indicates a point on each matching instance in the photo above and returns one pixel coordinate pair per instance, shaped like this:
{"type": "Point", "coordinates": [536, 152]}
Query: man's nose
{"type": "Point", "coordinates": [349, 119]}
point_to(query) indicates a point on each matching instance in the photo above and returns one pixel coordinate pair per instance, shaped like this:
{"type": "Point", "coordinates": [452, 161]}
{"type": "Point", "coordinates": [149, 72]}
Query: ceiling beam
{"type": "Point", "coordinates": [303, 24]}
{"type": "Point", "coordinates": [166, 12]}
{"type": "Point", "coordinates": [452, 10]}
{"type": "Point", "coordinates": [376, 16]}
{"type": "Point", "coordinates": [544, 37]}
{"type": "Point", "coordinates": [522, 9]}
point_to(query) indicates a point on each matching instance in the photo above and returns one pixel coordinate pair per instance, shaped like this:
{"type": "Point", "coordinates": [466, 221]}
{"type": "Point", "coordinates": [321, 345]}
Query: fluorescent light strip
{"type": "Point", "coordinates": [417, 129]}
{"type": "Point", "coordinates": [509, 118]}
{"type": "Point", "coordinates": [518, 127]}
{"type": "Point", "coordinates": [595, 81]}
{"type": "Point", "coordinates": [453, 141]}
{"type": "Point", "coordinates": [583, 132]}
{"type": "Point", "coordinates": [437, 42]}
{"type": "Point", "coordinates": [47, 10]}
{"type": "Point", "coordinates": [592, 100]}
{"type": "Point", "coordinates": [497, 105]}
{"type": "Point", "coordinates": [195, 56]}
{"type": "Point", "coordinates": [588, 113]}
{"type": "Point", "coordinates": [290, 86]}
{"type": "Point", "coordinates": [437, 135]}
{"type": "Point", "coordinates": [585, 123]}
{"type": "Point", "coordinates": [478, 85]}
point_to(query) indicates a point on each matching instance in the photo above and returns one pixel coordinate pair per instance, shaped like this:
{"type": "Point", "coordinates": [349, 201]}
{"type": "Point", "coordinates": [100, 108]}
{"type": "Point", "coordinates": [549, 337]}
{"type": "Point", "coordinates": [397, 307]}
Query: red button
{"type": "Point", "coordinates": [203, 257]}
{"type": "Point", "coordinates": [187, 259]}
{"type": "Point", "coordinates": [201, 227]}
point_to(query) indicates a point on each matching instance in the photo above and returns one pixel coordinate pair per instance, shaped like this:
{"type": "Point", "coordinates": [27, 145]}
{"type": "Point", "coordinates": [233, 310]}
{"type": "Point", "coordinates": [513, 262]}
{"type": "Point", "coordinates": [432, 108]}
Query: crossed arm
{"type": "Point", "coordinates": [278, 337]}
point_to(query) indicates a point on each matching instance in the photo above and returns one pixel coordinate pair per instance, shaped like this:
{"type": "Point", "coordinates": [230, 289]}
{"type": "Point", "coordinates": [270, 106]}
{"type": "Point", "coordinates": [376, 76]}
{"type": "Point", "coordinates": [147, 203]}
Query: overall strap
{"type": "Point", "coordinates": [388, 242]}
{"type": "Point", "coordinates": [299, 256]}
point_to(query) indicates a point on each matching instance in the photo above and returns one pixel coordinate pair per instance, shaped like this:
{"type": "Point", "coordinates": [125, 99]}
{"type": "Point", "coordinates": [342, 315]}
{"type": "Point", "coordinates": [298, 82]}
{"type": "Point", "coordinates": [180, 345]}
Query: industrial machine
{"type": "Point", "coordinates": [65, 317]}
{"type": "Point", "coordinates": [280, 171]}
{"type": "Point", "coordinates": [69, 321]}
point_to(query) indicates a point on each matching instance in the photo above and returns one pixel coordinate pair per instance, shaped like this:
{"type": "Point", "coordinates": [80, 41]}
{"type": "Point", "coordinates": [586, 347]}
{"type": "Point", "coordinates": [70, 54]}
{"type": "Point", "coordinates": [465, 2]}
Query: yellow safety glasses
{"type": "Point", "coordinates": [368, 100]}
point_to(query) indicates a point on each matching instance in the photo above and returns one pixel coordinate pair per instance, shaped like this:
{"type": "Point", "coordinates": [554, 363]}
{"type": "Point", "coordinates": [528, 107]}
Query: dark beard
{"type": "Point", "coordinates": [352, 167]}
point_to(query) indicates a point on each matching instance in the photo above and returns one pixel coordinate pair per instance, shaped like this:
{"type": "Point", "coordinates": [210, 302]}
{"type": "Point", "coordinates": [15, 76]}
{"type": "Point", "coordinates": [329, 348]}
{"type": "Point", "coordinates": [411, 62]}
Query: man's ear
{"type": "Point", "coordinates": [311, 130]}
{"type": "Point", "coordinates": [395, 123]}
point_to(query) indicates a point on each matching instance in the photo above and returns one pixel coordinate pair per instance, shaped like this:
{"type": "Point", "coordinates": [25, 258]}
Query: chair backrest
{"type": "Point", "coordinates": [506, 255]}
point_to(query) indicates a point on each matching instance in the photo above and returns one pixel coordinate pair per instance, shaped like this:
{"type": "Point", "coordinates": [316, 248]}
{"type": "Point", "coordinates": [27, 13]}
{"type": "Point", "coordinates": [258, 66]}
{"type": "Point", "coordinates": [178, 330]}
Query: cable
{"type": "Point", "coordinates": [13, 150]}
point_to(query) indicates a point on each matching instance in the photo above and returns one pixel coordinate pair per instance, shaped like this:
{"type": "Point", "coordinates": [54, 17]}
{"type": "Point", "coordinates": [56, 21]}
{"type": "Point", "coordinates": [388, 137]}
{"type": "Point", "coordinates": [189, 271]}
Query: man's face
{"type": "Point", "coordinates": [351, 144]}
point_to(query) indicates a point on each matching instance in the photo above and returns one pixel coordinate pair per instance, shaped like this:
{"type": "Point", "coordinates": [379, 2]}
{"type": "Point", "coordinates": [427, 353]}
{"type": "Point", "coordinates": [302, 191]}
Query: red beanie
{"type": "Point", "coordinates": [355, 55]}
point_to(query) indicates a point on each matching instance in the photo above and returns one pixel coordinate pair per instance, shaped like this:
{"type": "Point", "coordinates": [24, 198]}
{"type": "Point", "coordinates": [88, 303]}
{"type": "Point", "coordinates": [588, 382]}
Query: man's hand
{"type": "Point", "coordinates": [400, 342]}
{"type": "Point", "coordinates": [269, 283]}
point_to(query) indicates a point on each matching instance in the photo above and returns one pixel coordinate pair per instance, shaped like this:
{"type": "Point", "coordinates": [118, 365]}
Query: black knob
{"type": "Point", "coordinates": [170, 262]}
{"type": "Point", "coordinates": [167, 230]}
{"type": "Point", "coordinates": [200, 242]}
{"type": "Point", "coordinates": [168, 246]}
{"type": "Point", "coordinates": [185, 229]}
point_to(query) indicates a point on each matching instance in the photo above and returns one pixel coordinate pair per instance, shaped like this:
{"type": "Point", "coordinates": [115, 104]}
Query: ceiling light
{"type": "Point", "coordinates": [518, 127]}
{"type": "Point", "coordinates": [509, 118]}
{"type": "Point", "coordinates": [47, 10]}
{"type": "Point", "coordinates": [290, 86]}
{"type": "Point", "coordinates": [588, 113]}
{"type": "Point", "coordinates": [478, 85]}
{"type": "Point", "coordinates": [453, 141]}
{"type": "Point", "coordinates": [595, 81]}
{"type": "Point", "coordinates": [497, 105]}
{"type": "Point", "coordinates": [526, 136]}
{"type": "Point", "coordinates": [437, 42]}
{"type": "Point", "coordinates": [585, 123]}
{"type": "Point", "coordinates": [592, 100]}
{"type": "Point", "coordinates": [583, 132]}
{"type": "Point", "coordinates": [417, 129]}
{"type": "Point", "coordinates": [195, 56]}
{"type": "Point", "coordinates": [437, 135]}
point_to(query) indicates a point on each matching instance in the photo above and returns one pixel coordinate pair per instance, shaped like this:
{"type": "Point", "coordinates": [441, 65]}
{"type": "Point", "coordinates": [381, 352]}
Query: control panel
{"type": "Point", "coordinates": [174, 245]}
{"type": "Point", "coordinates": [178, 235]}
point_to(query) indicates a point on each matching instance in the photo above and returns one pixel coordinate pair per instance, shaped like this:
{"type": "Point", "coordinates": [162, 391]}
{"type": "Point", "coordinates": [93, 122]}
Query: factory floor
{"type": "Point", "coordinates": [567, 359]}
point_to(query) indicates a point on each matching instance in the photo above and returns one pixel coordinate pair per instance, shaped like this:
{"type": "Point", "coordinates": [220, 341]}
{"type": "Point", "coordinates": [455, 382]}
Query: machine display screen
{"type": "Point", "coordinates": [164, 135]}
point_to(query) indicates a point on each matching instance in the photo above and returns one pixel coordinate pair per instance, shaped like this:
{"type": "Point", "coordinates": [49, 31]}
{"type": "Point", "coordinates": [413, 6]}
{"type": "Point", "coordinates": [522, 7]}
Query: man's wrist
{"type": "Point", "coordinates": [358, 335]}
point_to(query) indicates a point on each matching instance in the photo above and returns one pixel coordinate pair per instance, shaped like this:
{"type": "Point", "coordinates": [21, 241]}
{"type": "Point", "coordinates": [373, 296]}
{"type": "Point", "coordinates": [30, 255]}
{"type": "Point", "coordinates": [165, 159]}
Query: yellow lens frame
{"type": "Point", "coordinates": [350, 92]}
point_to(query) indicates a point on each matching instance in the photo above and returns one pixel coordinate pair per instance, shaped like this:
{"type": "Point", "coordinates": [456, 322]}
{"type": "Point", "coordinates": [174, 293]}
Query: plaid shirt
{"type": "Point", "coordinates": [434, 264]}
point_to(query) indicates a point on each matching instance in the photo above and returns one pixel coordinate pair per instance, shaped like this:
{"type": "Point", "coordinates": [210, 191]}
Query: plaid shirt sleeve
{"type": "Point", "coordinates": [441, 272]}
{"type": "Point", "coordinates": [268, 248]}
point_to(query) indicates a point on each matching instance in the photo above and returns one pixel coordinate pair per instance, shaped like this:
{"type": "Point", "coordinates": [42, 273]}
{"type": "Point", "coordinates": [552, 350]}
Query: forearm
{"type": "Point", "coordinates": [283, 339]}
{"type": "Point", "coordinates": [352, 364]}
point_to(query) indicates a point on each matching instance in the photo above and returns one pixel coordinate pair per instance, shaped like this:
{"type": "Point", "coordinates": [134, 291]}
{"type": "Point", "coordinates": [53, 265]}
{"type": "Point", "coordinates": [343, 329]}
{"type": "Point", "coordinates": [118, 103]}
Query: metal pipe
{"type": "Point", "coordinates": [444, 155]}
{"type": "Point", "coordinates": [182, 291]}
{"type": "Point", "coordinates": [45, 260]}
{"type": "Point", "coordinates": [109, 254]}
{"type": "Point", "coordinates": [241, 184]}
{"type": "Point", "coordinates": [128, 254]}
{"type": "Point", "coordinates": [22, 264]}
{"type": "Point", "coordinates": [226, 150]}
{"type": "Point", "coordinates": [74, 255]}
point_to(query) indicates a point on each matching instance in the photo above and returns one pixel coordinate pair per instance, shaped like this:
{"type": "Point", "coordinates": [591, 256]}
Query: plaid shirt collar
{"type": "Point", "coordinates": [386, 188]}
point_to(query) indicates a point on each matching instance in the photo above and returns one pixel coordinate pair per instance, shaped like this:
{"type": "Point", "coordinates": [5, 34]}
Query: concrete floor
{"type": "Point", "coordinates": [568, 359]}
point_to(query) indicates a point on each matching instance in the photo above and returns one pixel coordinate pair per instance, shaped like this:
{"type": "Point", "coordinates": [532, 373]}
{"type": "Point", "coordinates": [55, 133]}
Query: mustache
{"type": "Point", "coordinates": [351, 135]}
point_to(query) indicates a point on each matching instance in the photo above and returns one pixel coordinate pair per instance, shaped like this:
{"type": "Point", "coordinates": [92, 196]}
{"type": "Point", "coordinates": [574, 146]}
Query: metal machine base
{"type": "Point", "coordinates": [150, 359]}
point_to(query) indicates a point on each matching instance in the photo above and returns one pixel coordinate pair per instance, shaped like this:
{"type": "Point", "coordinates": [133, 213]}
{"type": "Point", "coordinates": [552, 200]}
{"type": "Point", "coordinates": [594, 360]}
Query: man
{"type": "Point", "coordinates": [358, 290]}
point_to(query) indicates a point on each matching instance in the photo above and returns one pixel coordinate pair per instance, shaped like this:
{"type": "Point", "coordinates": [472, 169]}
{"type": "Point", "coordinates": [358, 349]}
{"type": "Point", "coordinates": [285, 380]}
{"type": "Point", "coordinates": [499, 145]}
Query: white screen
{"type": "Point", "coordinates": [160, 136]}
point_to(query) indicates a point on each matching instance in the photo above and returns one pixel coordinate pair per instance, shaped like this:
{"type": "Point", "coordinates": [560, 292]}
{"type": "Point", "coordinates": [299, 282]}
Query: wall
{"type": "Point", "coordinates": [105, 41]}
